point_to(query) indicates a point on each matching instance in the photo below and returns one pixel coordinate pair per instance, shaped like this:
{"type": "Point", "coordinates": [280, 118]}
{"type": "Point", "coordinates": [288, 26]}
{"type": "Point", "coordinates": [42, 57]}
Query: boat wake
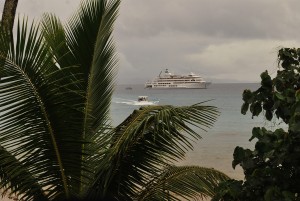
{"type": "Point", "coordinates": [133, 102]}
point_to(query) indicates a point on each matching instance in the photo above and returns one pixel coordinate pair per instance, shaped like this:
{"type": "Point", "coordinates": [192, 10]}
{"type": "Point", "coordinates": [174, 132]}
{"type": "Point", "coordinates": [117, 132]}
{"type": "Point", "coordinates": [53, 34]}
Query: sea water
{"type": "Point", "coordinates": [216, 147]}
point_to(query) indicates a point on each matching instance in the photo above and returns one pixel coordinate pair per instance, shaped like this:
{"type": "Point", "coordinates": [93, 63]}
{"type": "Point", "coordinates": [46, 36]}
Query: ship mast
{"type": "Point", "coordinates": [159, 73]}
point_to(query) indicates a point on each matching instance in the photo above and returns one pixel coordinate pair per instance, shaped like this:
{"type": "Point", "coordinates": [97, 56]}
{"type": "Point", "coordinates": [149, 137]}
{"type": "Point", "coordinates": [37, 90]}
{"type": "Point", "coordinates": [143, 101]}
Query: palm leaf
{"type": "Point", "coordinates": [148, 140]}
{"type": "Point", "coordinates": [55, 37]}
{"type": "Point", "coordinates": [21, 105]}
{"type": "Point", "coordinates": [87, 43]}
{"type": "Point", "coordinates": [183, 183]}
{"type": "Point", "coordinates": [16, 178]}
{"type": "Point", "coordinates": [89, 38]}
{"type": "Point", "coordinates": [55, 93]}
{"type": "Point", "coordinates": [34, 113]}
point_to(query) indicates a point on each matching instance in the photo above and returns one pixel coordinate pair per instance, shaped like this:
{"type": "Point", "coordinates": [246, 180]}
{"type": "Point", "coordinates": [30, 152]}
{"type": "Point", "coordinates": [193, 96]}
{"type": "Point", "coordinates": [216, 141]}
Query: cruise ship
{"type": "Point", "coordinates": [168, 80]}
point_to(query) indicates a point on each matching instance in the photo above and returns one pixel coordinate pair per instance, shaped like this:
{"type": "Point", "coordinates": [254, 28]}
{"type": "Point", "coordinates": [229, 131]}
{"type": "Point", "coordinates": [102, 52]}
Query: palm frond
{"type": "Point", "coordinates": [34, 108]}
{"type": "Point", "coordinates": [54, 34]}
{"type": "Point", "coordinates": [89, 36]}
{"type": "Point", "coordinates": [86, 42]}
{"type": "Point", "coordinates": [148, 140]}
{"type": "Point", "coordinates": [56, 141]}
{"type": "Point", "coordinates": [16, 177]}
{"type": "Point", "coordinates": [21, 105]}
{"type": "Point", "coordinates": [183, 183]}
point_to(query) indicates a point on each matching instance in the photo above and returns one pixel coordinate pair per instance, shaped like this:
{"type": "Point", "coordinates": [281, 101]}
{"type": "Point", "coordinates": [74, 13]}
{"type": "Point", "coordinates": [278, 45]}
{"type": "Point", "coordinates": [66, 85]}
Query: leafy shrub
{"type": "Point", "coordinates": [272, 169]}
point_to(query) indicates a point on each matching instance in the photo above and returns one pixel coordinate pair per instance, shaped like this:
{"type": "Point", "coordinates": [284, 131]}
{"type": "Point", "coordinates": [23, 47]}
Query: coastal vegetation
{"type": "Point", "coordinates": [272, 169]}
{"type": "Point", "coordinates": [56, 138]}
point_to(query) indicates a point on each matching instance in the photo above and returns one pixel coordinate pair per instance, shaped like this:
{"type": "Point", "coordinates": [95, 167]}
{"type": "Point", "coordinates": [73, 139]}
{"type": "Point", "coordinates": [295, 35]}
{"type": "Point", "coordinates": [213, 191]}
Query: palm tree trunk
{"type": "Point", "coordinates": [9, 12]}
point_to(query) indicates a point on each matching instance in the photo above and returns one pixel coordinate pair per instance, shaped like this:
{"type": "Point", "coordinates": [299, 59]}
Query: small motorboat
{"type": "Point", "coordinates": [143, 99]}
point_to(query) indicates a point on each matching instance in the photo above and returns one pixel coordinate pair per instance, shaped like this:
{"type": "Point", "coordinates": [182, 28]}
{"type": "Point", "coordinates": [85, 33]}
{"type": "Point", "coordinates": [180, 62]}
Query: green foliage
{"type": "Point", "coordinates": [56, 139]}
{"type": "Point", "coordinates": [272, 169]}
{"type": "Point", "coordinates": [206, 180]}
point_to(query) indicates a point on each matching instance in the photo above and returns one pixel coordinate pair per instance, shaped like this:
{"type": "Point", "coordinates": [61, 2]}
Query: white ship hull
{"type": "Point", "coordinates": [170, 81]}
{"type": "Point", "coordinates": [177, 86]}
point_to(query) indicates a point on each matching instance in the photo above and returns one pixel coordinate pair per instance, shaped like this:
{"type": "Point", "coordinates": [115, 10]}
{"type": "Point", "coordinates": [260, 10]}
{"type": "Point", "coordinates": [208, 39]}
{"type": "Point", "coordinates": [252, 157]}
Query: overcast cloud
{"type": "Point", "coordinates": [223, 40]}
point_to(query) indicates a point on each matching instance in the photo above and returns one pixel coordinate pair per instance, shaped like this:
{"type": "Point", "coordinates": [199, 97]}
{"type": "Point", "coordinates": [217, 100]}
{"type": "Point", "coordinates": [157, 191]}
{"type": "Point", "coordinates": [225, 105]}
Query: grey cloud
{"type": "Point", "coordinates": [35, 8]}
{"type": "Point", "coordinates": [224, 40]}
{"type": "Point", "coordinates": [231, 18]}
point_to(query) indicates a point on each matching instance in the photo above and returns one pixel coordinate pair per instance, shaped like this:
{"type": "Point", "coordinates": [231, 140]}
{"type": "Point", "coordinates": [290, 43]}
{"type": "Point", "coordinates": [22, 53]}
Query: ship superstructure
{"type": "Point", "coordinates": [168, 80]}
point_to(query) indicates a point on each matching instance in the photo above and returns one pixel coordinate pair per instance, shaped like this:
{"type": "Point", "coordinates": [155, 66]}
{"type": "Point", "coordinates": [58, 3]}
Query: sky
{"type": "Point", "coordinates": [222, 40]}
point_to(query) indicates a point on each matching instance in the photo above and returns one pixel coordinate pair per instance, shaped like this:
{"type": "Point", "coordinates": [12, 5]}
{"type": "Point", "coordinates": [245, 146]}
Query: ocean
{"type": "Point", "coordinates": [231, 129]}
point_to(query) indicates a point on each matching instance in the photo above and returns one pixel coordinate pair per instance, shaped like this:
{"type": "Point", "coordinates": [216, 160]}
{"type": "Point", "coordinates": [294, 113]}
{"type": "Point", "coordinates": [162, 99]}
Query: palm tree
{"type": "Point", "coordinates": [8, 14]}
{"type": "Point", "coordinates": [56, 140]}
